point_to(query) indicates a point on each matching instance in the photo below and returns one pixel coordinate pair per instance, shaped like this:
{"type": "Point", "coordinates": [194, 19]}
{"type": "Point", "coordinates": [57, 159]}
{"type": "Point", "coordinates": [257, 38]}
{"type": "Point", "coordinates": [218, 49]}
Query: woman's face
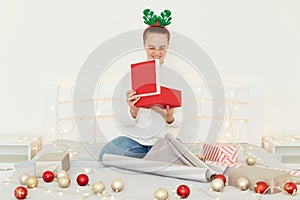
{"type": "Point", "coordinates": [156, 45]}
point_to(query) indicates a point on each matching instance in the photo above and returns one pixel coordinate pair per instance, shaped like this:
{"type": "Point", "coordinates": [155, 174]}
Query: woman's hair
{"type": "Point", "coordinates": [155, 29]}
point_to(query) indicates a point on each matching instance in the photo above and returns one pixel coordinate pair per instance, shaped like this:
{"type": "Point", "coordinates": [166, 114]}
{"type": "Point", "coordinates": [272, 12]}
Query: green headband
{"type": "Point", "coordinates": [152, 20]}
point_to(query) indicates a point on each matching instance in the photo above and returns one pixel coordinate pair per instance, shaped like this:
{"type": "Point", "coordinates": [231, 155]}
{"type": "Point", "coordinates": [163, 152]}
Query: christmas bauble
{"type": "Point", "coordinates": [250, 161]}
{"type": "Point", "coordinates": [20, 192]}
{"type": "Point", "coordinates": [183, 191]}
{"type": "Point", "coordinates": [217, 185]}
{"type": "Point", "coordinates": [161, 194]}
{"type": "Point", "coordinates": [82, 179]}
{"type": "Point", "coordinates": [260, 187]}
{"type": "Point", "coordinates": [220, 176]}
{"type": "Point", "coordinates": [117, 185]}
{"type": "Point", "coordinates": [61, 173]}
{"type": "Point", "coordinates": [243, 183]}
{"type": "Point", "coordinates": [23, 178]}
{"type": "Point", "coordinates": [48, 176]}
{"type": "Point", "coordinates": [32, 182]}
{"type": "Point", "coordinates": [64, 182]}
{"type": "Point", "coordinates": [290, 187]}
{"type": "Point", "coordinates": [98, 187]}
{"type": "Point", "coordinates": [200, 157]}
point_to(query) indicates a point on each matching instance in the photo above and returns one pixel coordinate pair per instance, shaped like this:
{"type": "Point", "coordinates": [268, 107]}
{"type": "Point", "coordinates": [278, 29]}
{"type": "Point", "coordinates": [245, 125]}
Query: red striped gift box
{"type": "Point", "coordinates": [225, 153]}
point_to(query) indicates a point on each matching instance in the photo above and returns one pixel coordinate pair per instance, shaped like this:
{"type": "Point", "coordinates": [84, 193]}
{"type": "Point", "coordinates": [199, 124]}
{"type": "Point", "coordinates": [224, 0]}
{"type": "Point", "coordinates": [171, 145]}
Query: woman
{"type": "Point", "coordinates": [156, 41]}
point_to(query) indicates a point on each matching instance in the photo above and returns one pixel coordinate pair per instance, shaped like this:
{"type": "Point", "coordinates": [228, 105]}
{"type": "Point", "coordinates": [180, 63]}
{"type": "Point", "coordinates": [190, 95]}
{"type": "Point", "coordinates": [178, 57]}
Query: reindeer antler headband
{"type": "Point", "coordinates": [157, 21]}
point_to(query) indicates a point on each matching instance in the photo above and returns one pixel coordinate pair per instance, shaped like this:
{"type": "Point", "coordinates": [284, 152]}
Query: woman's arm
{"type": "Point", "coordinates": [130, 117]}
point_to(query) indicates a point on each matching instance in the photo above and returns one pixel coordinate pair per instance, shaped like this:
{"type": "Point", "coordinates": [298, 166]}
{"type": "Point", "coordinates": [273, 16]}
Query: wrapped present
{"type": "Point", "coordinates": [274, 178]}
{"type": "Point", "coordinates": [52, 162]}
{"type": "Point", "coordinates": [225, 153]}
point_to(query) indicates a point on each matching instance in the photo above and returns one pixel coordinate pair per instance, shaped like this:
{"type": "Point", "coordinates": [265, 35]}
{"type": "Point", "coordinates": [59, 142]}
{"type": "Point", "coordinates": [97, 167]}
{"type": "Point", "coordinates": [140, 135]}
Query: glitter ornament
{"type": "Point", "coordinates": [220, 176]}
{"type": "Point", "coordinates": [61, 173]}
{"type": "Point", "coordinates": [290, 187]}
{"type": "Point", "coordinates": [23, 178]}
{"type": "Point", "coordinates": [32, 182]}
{"type": "Point", "coordinates": [260, 187]}
{"type": "Point", "coordinates": [64, 182]}
{"type": "Point", "coordinates": [82, 179]}
{"type": "Point", "coordinates": [161, 194]}
{"type": "Point", "coordinates": [48, 176]}
{"type": "Point", "coordinates": [117, 185]}
{"type": "Point", "coordinates": [250, 161]}
{"type": "Point", "coordinates": [183, 191]}
{"type": "Point", "coordinates": [20, 192]}
{"type": "Point", "coordinates": [243, 183]}
{"type": "Point", "coordinates": [217, 185]}
{"type": "Point", "coordinates": [98, 187]}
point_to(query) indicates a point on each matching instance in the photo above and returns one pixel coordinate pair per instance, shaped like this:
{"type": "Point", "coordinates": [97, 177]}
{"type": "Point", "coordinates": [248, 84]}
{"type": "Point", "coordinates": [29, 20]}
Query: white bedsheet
{"type": "Point", "coordinates": [138, 186]}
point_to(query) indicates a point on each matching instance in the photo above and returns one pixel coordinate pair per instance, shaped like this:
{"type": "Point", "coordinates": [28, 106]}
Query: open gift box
{"type": "Point", "coordinates": [52, 162]}
{"type": "Point", "coordinates": [272, 177]}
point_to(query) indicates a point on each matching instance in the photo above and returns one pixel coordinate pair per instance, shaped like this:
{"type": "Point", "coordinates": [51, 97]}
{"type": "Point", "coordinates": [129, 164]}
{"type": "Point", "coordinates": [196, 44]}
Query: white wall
{"type": "Point", "coordinates": [44, 43]}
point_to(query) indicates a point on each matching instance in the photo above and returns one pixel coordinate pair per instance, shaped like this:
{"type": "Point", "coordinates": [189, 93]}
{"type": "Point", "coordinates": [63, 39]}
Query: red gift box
{"type": "Point", "coordinates": [225, 153]}
{"type": "Point", "coordinates": [167, 96]}
{"type": "Point", "coordinates": [145, 81]}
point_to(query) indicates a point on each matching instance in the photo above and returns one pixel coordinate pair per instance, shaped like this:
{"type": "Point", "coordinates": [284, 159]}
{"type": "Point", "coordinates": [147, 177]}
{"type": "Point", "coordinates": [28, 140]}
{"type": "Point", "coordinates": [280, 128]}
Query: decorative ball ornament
{"type": "Point", "coordinates": [200, 157]}
{"type": "Point", "coordinates": [243, 183]}
{"type": "Point", "coordinates": [117, 185]}
{"type": "Point", "coordinates": [32, 182]}
{"type": "Point", "coordinates": [21, 192]}
{"type": "Point", "coordinates": [48, 176]}
{"type": "Point", "coordinates": [82, 179]}
{"type": "Point", "coordinates": [64, 182]}
{"type": "Point", "coordinates": [183, 191]}
{"type": "Point", "coordinates": [161, 194]}
{"type": "Point", "coordinates": [250, 161]}
{"type": "Point", "coordinates": [98, 187]}
{"type": "Point", "coordinates": [220, 176]}
{"type": "Point", "coordinates": [290, 187]}
{"type": "Point", "coordinates": [61, 173]}
{"type": "Point", "coordinates": [23, 178]}
{"type": "Point", "coordinates": [217, 185]}
{"type": "Point", "coordinates": [260, 187]}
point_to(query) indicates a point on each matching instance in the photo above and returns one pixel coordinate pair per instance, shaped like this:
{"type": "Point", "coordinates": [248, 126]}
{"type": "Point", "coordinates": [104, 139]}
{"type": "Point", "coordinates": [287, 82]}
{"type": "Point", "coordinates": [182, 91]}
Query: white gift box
{"type": "Point", "coordinates": [52, 162]}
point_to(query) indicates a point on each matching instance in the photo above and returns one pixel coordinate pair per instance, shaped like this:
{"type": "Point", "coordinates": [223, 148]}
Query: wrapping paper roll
{"type": "Point", "coordinates": [157, 167]}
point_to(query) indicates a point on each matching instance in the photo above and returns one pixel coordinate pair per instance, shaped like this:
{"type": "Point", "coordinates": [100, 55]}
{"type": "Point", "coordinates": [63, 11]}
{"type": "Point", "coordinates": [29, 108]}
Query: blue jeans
{"type": "Point", "coordinates": [124, 146]}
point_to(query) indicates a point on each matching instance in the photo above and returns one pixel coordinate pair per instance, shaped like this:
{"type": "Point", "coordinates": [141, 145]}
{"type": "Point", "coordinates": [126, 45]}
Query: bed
{"type": "Point", "coordinates": [61, 136]}
{"type": "Point", "coordinates": [138, 185]}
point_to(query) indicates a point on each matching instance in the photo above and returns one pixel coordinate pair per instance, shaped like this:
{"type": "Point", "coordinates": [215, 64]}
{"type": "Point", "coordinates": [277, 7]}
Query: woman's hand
{"type": "Point", "coordinates": [131, 101]}
{"type": "Point", "coordinates": [166, 113]}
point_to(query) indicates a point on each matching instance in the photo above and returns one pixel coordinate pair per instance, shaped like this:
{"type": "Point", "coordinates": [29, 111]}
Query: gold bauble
{"type": "Point", "coordinates": [64, 182]}
{"type": "Point", "coordinates": [61, 173]}
{"type": "Point", "coordinates": [98, 187]}
{"type": "Point", "coordinates": [161, 194]}
{"type": "Point", "coordinates": [117, 185]}
{"type": "Point", "coordinates": [243, 183]}
{"type": "Point", "coordinates": [250, 161]}
{"type": "Point", "coordinates": [32, 182]}
{"type": "Point", "coordinates": [217, 185]}
{"type": "Point", "coordinates": [23, 178]}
